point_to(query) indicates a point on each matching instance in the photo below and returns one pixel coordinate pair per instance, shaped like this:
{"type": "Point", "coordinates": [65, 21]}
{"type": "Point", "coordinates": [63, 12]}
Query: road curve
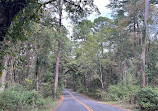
{"type": "Point", "coordinates": [75, 102]}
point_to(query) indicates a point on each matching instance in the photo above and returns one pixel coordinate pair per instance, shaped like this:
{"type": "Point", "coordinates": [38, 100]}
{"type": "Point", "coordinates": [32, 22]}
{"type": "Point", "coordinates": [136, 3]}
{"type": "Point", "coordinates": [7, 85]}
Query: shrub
{"type": "Point", "coordinates": [9, 100]}
{"type": "Point", "coordinates": [120, 92]}
{"type": "Point", "coordinates": [147, 98]}
{"type": "Point", "coordinates": [31, 98]}
{"type": "Point", "coordinates": [16, 97]}
{"type": "Point", "coordinates": [48, 80]}
{"type": "Point", "coordinates": [81, 89]}
{"type": "Point", "coordinates": [100, 94]}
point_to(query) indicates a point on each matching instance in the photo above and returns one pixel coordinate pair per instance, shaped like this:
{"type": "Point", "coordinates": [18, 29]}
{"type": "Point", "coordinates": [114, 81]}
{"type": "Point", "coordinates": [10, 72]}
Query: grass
{"type": "Point", "coordinates": [50, 105]}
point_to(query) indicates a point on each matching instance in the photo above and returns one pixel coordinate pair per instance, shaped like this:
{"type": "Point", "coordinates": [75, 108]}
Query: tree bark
{"type": "Point", "coordinates": [144, 44]}
{"type": "Point", "coordinates": [27, 64]}
{"type": "Point", "coordinates": [120, 69]}
{"type": "Point", "coordinates": [126, 70]}
{"type": "Point", "coordinates": [143, 65]}
{"type": "Point", "coordinates": [37, 75]}
{"type": "Point", "coordinates": [135, 51]}
{"type": "Point", "coordinates": [57, 69]}
{"type": "Point", "coordinates": [4, 72]}
{"type": "Point", "coordinates": [59, 50]}
{"type": "Point", "coordinates": [101, 74]}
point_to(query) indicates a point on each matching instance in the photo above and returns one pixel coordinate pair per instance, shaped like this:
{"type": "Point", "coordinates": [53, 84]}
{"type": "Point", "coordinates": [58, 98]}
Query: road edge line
{"type": "Point", "coordinates": [62, 97]}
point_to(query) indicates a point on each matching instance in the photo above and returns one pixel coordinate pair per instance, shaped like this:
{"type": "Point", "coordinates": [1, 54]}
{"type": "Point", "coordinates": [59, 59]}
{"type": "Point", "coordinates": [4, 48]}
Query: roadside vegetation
{"type": "Point", "coordinates": [113, 60]}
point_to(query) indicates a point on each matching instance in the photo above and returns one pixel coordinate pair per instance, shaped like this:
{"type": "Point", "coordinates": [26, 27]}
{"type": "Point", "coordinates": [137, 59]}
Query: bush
{"type": "Point", "coordinates": [147, 98]}
{"type": "Point", "coordinates": [16, 97]}
{"type": "Point", "coordinates": [31, 98]}
{"type": "Point", "coordinates": [9, 100]}
{"type": "Point", "coordinates": [120, 92]}
{"type": "Point", "coordinates": [100, 94]}
{"type": "Point", "coordinates": [48, 80]}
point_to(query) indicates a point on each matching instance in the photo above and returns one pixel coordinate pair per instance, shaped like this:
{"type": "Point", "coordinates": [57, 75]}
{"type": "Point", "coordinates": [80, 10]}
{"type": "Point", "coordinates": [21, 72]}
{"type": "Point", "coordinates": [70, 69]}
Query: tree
{"type": "Point", "coordinates": [4, 72]}
{"type": "Point", "coordinates": [144, 43]}
{"type": "Point", "coordinates": [82, 29]}
{"type": "Point", "coordinates": [9, 9]}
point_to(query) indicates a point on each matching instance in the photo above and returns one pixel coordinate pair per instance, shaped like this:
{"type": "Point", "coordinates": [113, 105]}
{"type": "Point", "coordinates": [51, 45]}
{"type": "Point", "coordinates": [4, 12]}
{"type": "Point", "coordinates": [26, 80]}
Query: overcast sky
{"type": "Point", "coordinates": [101, 4]}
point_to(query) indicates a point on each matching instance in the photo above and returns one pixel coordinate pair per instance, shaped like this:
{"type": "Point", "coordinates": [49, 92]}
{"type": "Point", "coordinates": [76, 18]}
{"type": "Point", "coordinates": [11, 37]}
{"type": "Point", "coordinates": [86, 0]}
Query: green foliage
{"type": "Point", "coordinates": [16, 97]}
{"type": "Point", "coordinates": [9, 100]}
{"type": "Point", "coordinates": [31, 98]}
{"type": "Point", "coordinates": [121, 92]}
{"type": "Point", "coordinates": [82, 29]}
{"type": "Point", "coordinates": [48, 85]}
{"type": "Point", "coordinates": [147, 98]}
{"type": "Point", "coordinates": [98, 94]}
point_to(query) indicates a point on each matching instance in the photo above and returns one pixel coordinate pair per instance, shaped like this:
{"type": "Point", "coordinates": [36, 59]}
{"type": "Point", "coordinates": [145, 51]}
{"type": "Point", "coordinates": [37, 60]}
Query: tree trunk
{"type": "Point", "coordinates": [120, 70]}
{"type": "Point", "coordinates": [143, 65]}
{"type": "Point", "coordinates": [27, 64]}
{"type": "Point", "coordinates": [59, 49]}
{"type": "Point", "coordinates": [85, 82]}
{"type": "Point", "coordinates": [4, 72]}
{"type": "Point", "coordinates": [57, 69]}
{"type": "Point", "coordinates": [101, 74]}
{"type": "Point", "coordinates": [127, 76]}
{"type": "Point", "coordinates": [14, 73]}
{"type": "Point", "coordinates": [144, 44]}
{"type": "Point", "coordinates": [37, 74]}
{"type": "Point", "coordinates": [135, 52]}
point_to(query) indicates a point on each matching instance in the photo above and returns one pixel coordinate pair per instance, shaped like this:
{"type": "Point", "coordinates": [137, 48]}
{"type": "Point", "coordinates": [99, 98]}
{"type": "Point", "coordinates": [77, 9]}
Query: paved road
{"type": "Point", "coordinates": [75, 102]}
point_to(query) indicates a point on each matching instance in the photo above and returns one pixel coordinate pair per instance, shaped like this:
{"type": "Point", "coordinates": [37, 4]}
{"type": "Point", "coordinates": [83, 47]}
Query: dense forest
{"type": "Point", "coordinates": [108, 59]}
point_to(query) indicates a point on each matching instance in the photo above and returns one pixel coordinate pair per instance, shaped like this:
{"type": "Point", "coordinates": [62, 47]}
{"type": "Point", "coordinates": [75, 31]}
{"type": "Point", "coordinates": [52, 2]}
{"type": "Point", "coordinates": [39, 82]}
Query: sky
{"type": "Point", "coordinates": [101, 4]}
{"type": "Point", "coordinates": [105, 12]}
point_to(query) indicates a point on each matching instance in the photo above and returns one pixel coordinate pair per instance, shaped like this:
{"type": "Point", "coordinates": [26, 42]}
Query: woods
{"type": "Point", "coordinates": [109, 59]}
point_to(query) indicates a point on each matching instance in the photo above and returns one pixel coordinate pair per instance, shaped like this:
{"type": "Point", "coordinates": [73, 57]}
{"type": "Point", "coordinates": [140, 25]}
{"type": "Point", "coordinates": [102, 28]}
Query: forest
{"type": "Point", "coordinates": [112, 60]}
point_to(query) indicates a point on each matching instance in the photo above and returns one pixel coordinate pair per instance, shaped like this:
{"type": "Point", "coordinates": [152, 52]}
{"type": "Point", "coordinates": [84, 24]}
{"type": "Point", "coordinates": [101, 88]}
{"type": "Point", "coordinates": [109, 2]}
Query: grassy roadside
{"type": "Point", "coordinates": [51, 106]}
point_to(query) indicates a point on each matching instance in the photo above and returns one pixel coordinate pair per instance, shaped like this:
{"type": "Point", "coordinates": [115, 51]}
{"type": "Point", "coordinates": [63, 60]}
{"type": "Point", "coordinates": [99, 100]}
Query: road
{"type": "Point", "coordinates": [75, 102]}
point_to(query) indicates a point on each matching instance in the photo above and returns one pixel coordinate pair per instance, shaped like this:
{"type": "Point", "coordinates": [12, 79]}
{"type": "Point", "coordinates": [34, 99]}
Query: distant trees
{"type": "Point", "coordinates": [93, 51]}
{"type": "Point", "coordinates": [134, 15]}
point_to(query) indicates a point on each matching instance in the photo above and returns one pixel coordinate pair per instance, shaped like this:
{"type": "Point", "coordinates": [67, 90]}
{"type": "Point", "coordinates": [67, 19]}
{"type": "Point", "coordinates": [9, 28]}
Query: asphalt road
{"type": "Point", "coordinates": [75, 102]}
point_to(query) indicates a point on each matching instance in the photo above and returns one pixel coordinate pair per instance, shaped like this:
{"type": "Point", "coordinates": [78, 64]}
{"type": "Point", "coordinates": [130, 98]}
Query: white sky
{"type": "Point", "coordinates": [105, 12]}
